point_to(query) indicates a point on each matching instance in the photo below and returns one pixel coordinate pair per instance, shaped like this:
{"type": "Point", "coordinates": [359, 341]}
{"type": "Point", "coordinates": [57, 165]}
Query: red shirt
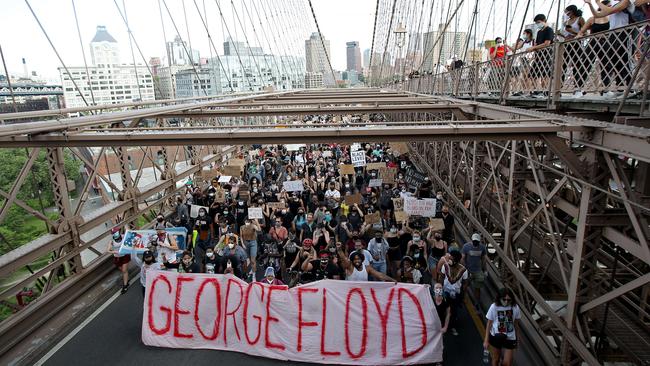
{"type": "Point", "coordinates": [499, 55]}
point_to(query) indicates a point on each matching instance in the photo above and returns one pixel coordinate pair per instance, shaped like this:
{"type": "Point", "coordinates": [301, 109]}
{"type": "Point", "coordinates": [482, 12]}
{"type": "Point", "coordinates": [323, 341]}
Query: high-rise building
{"type": "Point", "coordinates": [366, 58]}
{"type": "Point", "coordinates": [313, 80]}
{"type": "Point", "coordinates": [317, 57]}
{"type": "Point", "coordinates": [233, 48]}
{"type": "Point", "coordinates": [189, 85]}
{"type": "Point", "coordinates": [438, 53]}
{"type": "Point", "coordinates": [110, 81]}
{"type": "Point", "coordinates": [179, 52]}
{"type": "Point", "coordinates": [353, 56]}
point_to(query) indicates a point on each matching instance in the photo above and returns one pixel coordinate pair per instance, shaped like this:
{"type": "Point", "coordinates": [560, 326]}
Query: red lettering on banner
{"type": "Point", "coordinates": [269, 318]}
{"type": "Point", "coordinates": [178, 311]}
{"type": "Point", "coordinates": [400, 292]}
{"type": "Point", "coordinates": [364, 325]}
{"type": "Point", "coordinates": [300, 322]}
{"type": "Point", "coordinates": [259, 318]}
{"type": "Point", "coordinates": [383, 316]}
{"type": "Point", "coordinates": [231, 313]}
{"type": "Point", "coordinates": [197, 301]}
{"type": "Point", "coordinates": [164, 309]}
{"type": "Point", "coordinates": [323, 328]}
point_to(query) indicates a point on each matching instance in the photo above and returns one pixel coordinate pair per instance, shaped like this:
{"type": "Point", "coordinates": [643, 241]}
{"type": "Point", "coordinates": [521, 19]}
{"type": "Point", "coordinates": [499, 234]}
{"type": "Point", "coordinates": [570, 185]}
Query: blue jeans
{"type": "Point", "coordinates": [251, 248]}
{"type": "Point", "coordinates": [379, 267]}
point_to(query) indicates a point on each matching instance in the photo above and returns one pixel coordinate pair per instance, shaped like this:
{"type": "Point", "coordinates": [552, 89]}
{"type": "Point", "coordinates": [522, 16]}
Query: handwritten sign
{"type": "Point", "coordinates": [346, 169]}
{"type": "Point", "coordinates": [225, 179]}
{"type": "Point", "coordinates": [373, 218]}
{"type": "Point", "coordinates": [413, 178]}
{"type": "Point", "coordinates": [293, 185]}
{"type": "Point", "coordinates": [420, 207]}
{"type": "Point", "coordinates": [358, 158]}
{"type": "Point", "coordinates": [275, 205]}
{"type": "Point", "coordinates": [194, 210]}
{"type": "Point", "coordinates": [352, 199]}
{"type": "Point", "coordinates": [343, 322]}
{"type": "Point", "coordinates": [255, 213]}
{"type": "Point", "coordinates": [398, 148]}
{"type": "Point", "coordinates": [356, 146]}
{"type": "Point", "coordinates": [375, 183]}
{"type": "Point", "coordinates": [375, 166]}
{"type": "Point", "coordinates": [398, 204]}
{"type": "Point", "coordinates": [327, 154]}
{"type": "Point", "coordinates": [237, 162]}
{"type": "Point", "coordinates": [232, 170]}
{"type": "Point", "coordinates": [437, 224]}
{"type": "Point", "coordinates": [220, 196]}
{"type": "Point", "coordinates": [294, 147]}
{"type": "Point", "coordinates": [401, 216]}
{"type": "Point", "coordinates": [388, 174]}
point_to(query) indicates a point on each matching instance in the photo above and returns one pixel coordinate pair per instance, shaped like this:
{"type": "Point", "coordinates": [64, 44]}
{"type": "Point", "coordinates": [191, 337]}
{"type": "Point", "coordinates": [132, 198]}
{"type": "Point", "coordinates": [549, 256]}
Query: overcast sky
{"type": "Point", "coordinates": [340, 21]}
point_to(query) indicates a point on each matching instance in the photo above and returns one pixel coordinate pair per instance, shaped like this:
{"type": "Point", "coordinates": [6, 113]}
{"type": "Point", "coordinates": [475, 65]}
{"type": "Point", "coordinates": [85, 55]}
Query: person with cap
{"type": "Point", "coordinates": [355, 270]}
{"type": "Point", "coordinates": [121, 261]}
{"type": "Point", "coordinates": [378, 248]}
{"type": "Point", "coordinates": [269, 277]}
{"type": "Point", "coordinates": [148, 263]}
{"type": "Point", "coordinates": [407, 273]}
{"type": "Point", "coordinates": [306, 251]}
{"type": "Point", "coordinates": [475, 260]}
{"type": "Point", "coordinates": [321, 268]}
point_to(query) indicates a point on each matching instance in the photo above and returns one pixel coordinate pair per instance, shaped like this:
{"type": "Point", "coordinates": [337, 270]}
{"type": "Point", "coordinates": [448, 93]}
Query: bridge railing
{"type": "Point", "coordinates": [595, 64]}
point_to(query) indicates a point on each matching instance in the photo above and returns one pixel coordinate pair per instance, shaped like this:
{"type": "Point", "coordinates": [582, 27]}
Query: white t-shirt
{"type": "Point", "coordinates": [367, 255]}
{"type": "Point", "coordinates": [334, 194]}
{"type": "Point", "coordinates": [503, 320]}
{"type": "Point", "coordinates": [620, 19]}
{"type": "Point", "coordinates": [453, 288]}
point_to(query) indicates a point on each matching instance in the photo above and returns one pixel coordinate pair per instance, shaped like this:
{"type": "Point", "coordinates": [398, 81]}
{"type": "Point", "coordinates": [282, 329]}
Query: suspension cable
{"type": "Point", "coordinates": [83, 53]}
{"type": "Point", "coordinates": [320, 35]}
{"type": "Point", "coordinates": [135, 66]}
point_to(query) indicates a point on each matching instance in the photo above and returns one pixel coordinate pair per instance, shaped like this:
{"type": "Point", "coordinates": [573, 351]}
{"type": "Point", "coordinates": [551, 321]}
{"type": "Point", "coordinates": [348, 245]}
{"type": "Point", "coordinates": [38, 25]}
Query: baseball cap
{"type": "Point", "coordinates": [476, 236]}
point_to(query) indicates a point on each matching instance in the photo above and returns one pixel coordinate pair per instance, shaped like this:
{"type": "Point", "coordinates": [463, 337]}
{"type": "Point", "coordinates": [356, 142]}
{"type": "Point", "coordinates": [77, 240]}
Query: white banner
{"type": "Point", "coordinates": [293, 185]}
{"type": "Point", "coordinates": [194, 210]}
{"type": "Point", "coordinates": [375, 183]}
{"type": "Point", "coordinates": [225, 179]}
{"type": "Point", "coordinates": [358, 158]}
{"type": "Point", "coordinates": [424, 207]}
{"type": "Point", "coordinates": [335, 322]}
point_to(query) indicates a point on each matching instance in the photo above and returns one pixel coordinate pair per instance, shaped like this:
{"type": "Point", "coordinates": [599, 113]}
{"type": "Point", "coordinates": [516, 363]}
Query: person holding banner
{"type": "Point", "coordinates": [248, 233]}
{"type": "Point", "coordinates": [320, 268]}
{"type": "Point", "coordinates": [204, 230]}
{"type": "Point", "coordinates": [407, 272]}
{"type": "Point", "coordinates": [186, 265]}
{"type": "Point", "coordinates": [269, 277]}
{"type": "Point", "coordinates": [120, 261]}
{"type": "Point", "coordinates": [148, 263]}
{"type": "Point", "coordinates": [355, 270]}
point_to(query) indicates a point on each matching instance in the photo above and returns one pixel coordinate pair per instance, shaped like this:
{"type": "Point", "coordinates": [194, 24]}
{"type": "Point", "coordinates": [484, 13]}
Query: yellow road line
{"type": "Point", "coordinates": [477, 321]}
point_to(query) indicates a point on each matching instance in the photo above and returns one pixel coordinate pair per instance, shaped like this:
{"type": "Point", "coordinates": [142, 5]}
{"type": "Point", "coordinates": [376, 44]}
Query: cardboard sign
{"type": "Point", "coordinates": [352, 199]}
{"type": "Point", "coordinates": [220, 196]}
{"type": "Point", "coordinates": [375, 166]}
{"type": "Point", "coordinates": [293, 186]}
{"type": "Point", "coordinates": [232, 171]}
{"type": "Point", "coordinates": [437, 224]}
{"type": "Point", "coordinates": [255, 213]}
{"type": "Point", "coordinates": [413, 178]}
{"type": "Point", "coordinates": [388, 174]}
{"type": "Point", "coordinates": [346, 169]}
{"type": "Point", "coordinates": [373, 218]}
{"type": "Point", "coordinates": [343, 322]}
{"type": "Point", "coordinates": [420, 207]}
{"type": "Point", "coordinates": [398, 204]}
{"type": "Point", "coordinates": [375, 183]}
{"type": "Point", "coordinates": [225, 179]}
{"type": "Point", "coordinates": [401, 216]}
{"type": "Point", "coordinates": [237, 162]}
{"type": "Point", "coordinates": [398, 148]}
{"type": "Point", "coordinates": [358, 158]}
{"type": "Point", "coordinates": [194, 210]}
{"type": "Point", "coordinates": [327, 154]}
{"type": "Point", "coordinates": [275, 205]}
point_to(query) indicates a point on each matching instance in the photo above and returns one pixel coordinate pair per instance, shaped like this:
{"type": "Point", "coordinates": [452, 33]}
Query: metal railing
{"type": "Point", "coordinates": [595, 64]}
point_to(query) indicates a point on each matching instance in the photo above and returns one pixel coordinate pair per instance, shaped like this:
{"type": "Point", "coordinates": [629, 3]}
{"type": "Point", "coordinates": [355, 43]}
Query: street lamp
{"type": "Point", "coordinates": [400, 37]}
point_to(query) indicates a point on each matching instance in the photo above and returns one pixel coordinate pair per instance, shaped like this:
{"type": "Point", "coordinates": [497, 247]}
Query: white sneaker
{"type": "Point", "coordinates": [610, 94]}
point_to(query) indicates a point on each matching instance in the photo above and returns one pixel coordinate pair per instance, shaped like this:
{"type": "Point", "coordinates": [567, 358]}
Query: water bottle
{"type": "Point", "coordinates": [486, 356]}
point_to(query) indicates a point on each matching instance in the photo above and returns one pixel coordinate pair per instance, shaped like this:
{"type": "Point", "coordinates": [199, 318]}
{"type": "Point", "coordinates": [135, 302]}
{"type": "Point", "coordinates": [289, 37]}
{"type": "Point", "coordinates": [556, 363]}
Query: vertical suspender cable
{"type": "Point", "coordinates": [83, 53]}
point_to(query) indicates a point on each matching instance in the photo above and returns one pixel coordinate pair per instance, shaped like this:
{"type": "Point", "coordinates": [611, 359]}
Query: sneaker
{"type": "Point", "coordinates": [610, 94]}
{"type": "Point", "coordinates": [124, 289]}
{"type": "Point", "coordinates": [454, 331]}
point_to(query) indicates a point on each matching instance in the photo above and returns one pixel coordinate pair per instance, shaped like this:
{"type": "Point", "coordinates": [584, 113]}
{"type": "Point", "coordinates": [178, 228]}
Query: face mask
{"type": "Point", "coordinates": [117, 236]}
{"type": "Point", "coordinates": [328, 217]}
{"type": "Point", "coordinates": [475, 242]}
{"type": "Point", "coordinates": [403, 190]}
{"type": "Point", "coordinates": [438, 236]}
{"type": "Point", "coordinates": [437, 291]}
{"type": "Point", "coordinates": [248, 224]}
{"type": "Point", "coordinates": [277, 224]}
{"type": "Point", "coordinates": [416, 255]}
{"type": "Point", "coordinates": [148, 260]}
{"type": "Point", "coordinates": [505, 303]}
{"type": "Point", "coordinates": [499, 43]}
{"type": "Point", "coordinates": [270, 280]}
{"type": "Point", "coordinates": [323, 262]}
{"type": "Point", "coordinates": [332, 250]}
{"type": "Point", "coordinates": [416, 238]}
{"type": "Point", "coordinates": [439, 196]}
{"type": "Point", "coordinates": [231, 245]}
{"type": "Point", "coordinates": [393, 230]}
{"type": "Point", "coordinates": [159, 219]}
{"type": "Point", "coordinates": [225, 212]}
{"type": "Point", "coordinates": [210, 255]}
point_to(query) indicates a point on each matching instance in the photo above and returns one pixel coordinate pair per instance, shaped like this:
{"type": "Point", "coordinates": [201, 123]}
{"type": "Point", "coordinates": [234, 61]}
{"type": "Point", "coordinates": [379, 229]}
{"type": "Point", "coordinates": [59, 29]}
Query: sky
{"type": "Point", "coordinates": [340, 21]}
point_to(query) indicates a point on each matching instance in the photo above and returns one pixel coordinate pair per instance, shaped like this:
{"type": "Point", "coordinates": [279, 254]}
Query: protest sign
{"type": "Point", "coordinates": [373, 218]}
{"type": "Point", "coordinates": [327, 154]}
{"type": "Point", "coordinates": [388, 174]}
{"type": "Point", "coordinates": [375, 183]}
{"type": "Point", "coordinates": [398, 148]}
{"type": "Point", "coordinates": [294, 147]}
{"type": "Point", "coordinates": [352, 199]}
{"type": "Point", "coordinates": [358, 158]}
{"type": "Point", "coordinates": [237, 162]}
{"type": "Point", "coordinates": [194, 210]}
{"type": "Point", "coordinates": [139, 240]}
{"type": "Point", "coordinates": [346, 169]}
{"type": "Point", "coordinates": [232, 170]}
{"type": "Point", "coordinates": [275, 205]}
{"type": "Point", "coordinates": [398, 204]}
{"type": "Point", "coordinates": [255, 213]}
{"type": "Point", "coordinates": [225, 179]}
{"type": "Point", "coordinates": [413, 178]}
{"type": "Point", "coordinates": [420, 207]}
{"type": "Point", "coordinates": [293, 185]}
{"type": "Point", "coordinates": [375, 166]}
{"type": "Point", "coordinates": [333, 322]}
{"type": "Point", "coordinates": [401, 216]}
{"type": "Point", "coordinates": [220, 196]}
{"type": "Point", "coordinates": [437, 224]}
{"type": "Point", "coordinates": [356, 146]}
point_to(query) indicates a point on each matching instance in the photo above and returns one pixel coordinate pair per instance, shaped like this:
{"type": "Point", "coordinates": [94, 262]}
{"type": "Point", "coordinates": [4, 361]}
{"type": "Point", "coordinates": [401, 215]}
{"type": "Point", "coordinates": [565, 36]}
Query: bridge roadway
{"type": "Point", "coordinates": [112, 337]}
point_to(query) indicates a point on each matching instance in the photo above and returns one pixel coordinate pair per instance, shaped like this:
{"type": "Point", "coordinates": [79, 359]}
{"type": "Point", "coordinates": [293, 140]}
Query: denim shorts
{"type": "Point", "coordinates": [251, 248]}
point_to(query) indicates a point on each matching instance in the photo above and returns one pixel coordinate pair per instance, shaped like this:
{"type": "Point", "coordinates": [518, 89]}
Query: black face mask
{"type": "Point", "coordinates": [148, 261]}
{"type": "Point", "coordinates": [475, 242]}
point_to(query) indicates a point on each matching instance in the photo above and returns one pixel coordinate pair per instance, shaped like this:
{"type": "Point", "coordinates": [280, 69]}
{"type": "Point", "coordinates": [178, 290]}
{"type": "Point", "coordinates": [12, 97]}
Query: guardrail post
{"type": "Point", "coordinates": [556, 81]}
{"type": "Point", "coordinates": [476, 79]}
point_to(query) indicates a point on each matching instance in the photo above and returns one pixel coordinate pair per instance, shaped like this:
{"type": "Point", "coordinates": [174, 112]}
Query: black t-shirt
{"type": "Point", "coordinates": [544, 34]}
{"type": "Point", "coordinates": [319, 273]}
{"type": "Point", "coordinates": [442, 310]}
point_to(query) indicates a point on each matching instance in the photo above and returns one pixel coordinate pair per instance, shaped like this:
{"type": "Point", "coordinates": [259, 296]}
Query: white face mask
{"type": "Point", "coordinates": [438, 291]}
{"type": "Point", "coordinates": [231, 245]}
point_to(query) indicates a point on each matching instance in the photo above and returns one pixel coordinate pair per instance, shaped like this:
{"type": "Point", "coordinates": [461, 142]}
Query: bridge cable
{"type": "Point", "coordinates": [83, 53]}
{"type": "Point", "coordinates": [321, 40]}
{"type": "Point", "coordinates": [241, 63]}
{"type": "Point", "coordinates": [11, 88]}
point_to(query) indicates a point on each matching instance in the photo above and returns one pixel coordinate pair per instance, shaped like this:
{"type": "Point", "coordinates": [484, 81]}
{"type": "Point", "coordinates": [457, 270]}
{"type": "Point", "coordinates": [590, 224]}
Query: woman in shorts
{"type": "Point", "coordinates": [502, 328]}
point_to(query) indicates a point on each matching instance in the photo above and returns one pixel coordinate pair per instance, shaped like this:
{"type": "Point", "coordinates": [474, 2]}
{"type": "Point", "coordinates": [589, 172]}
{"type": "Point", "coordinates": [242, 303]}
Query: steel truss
{"type": "Point", "coordinates": [563, 202]}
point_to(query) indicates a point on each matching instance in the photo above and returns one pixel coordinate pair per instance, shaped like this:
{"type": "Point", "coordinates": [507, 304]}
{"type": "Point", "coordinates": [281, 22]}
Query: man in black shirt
{"type": "Point", "coordinates": [543, 63]}
{"type": "Point", "coordinates": [321, 268]}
